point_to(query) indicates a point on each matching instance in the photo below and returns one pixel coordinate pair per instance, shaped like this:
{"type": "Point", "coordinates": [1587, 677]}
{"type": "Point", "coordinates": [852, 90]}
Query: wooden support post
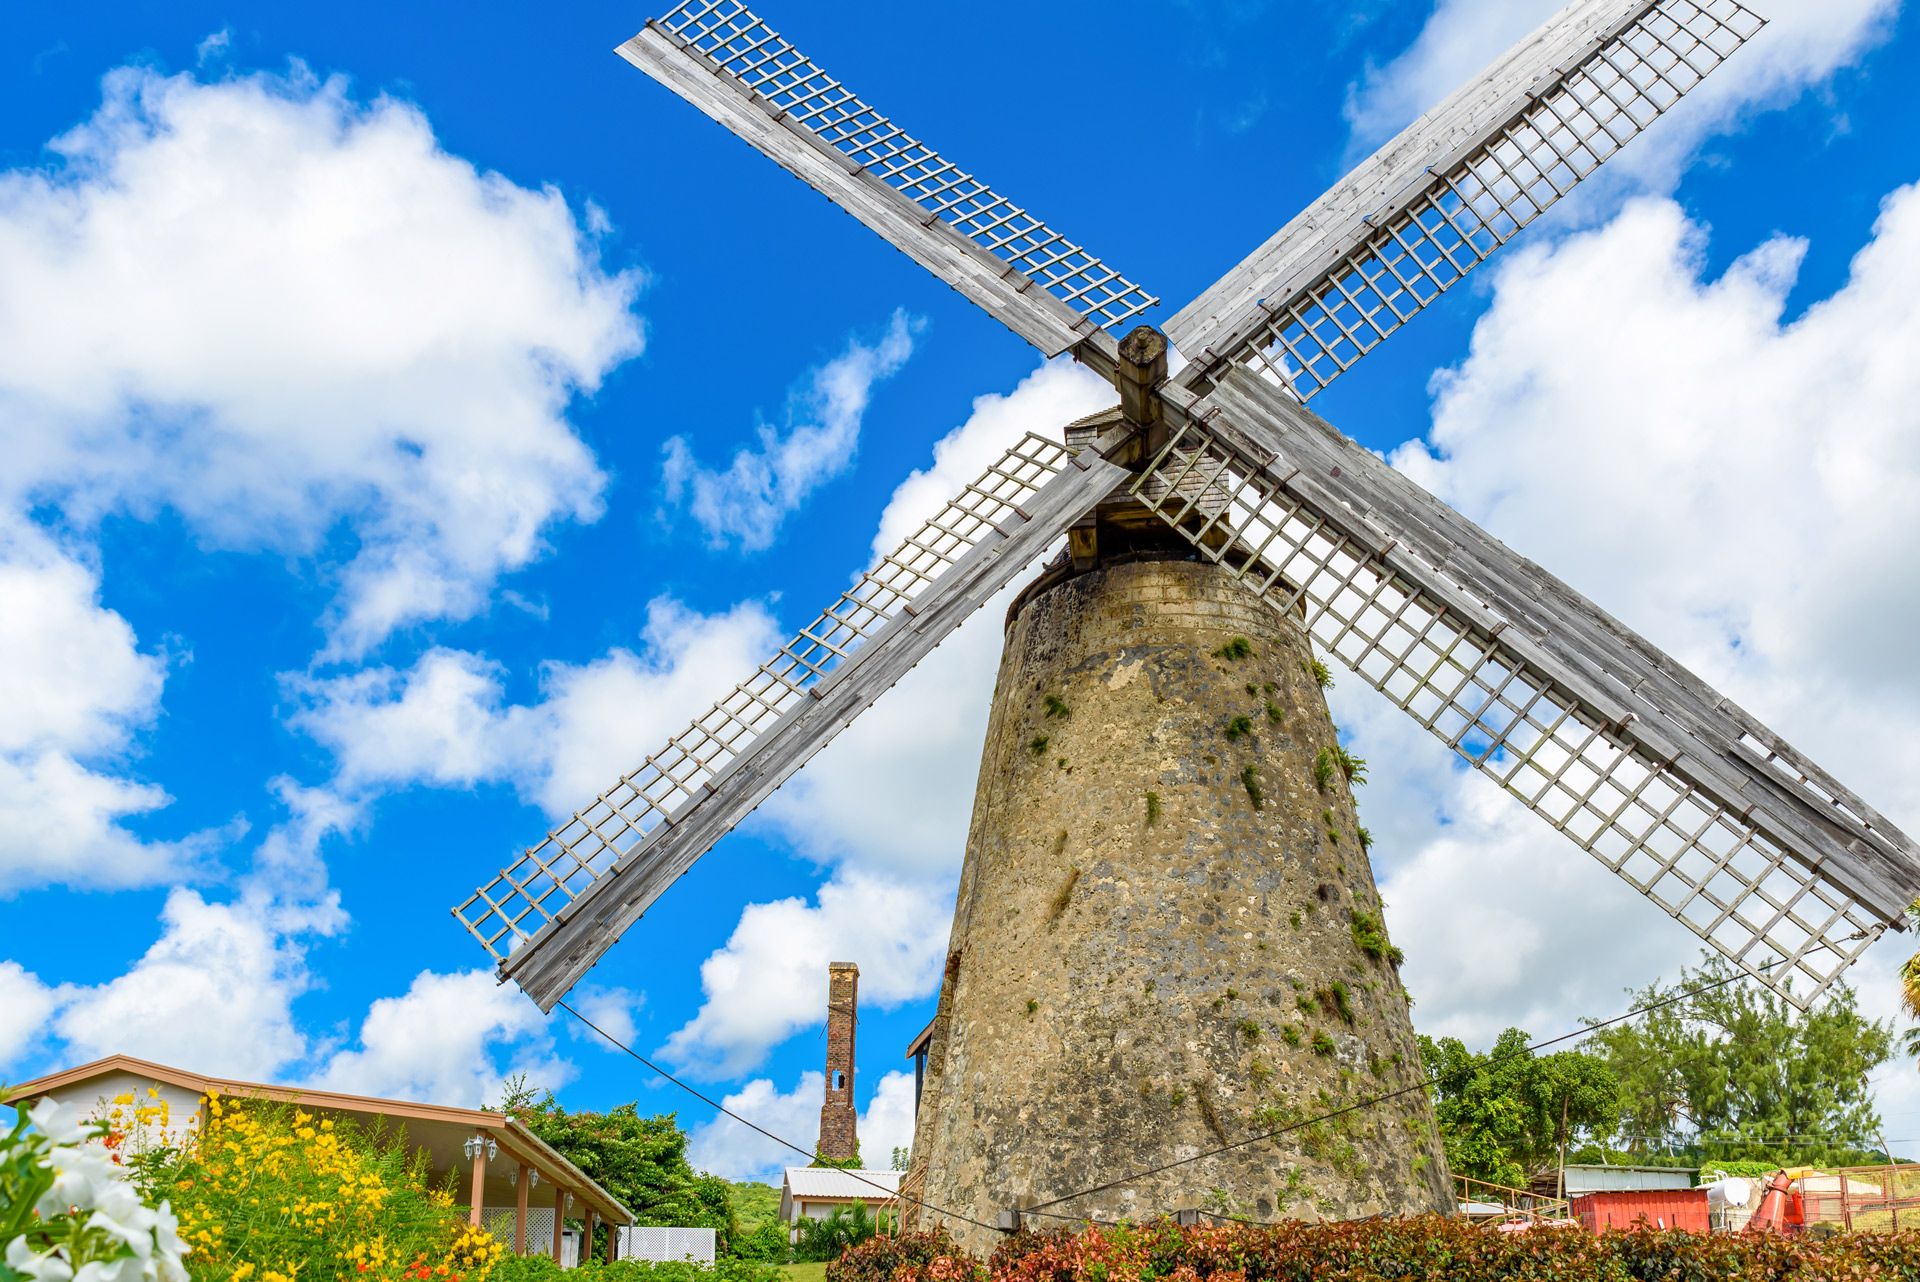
{"type": "Point", "coordinates": [520, 1190]}
{"type": "Point", "coordinates": [479, 1191]}
{"type": "Point", "coordinates": [559, 1219]}
{"type": "Point", "coordinates": [586, 1237]}
{"type": "Point", "coordinates": [613, 1241]}
{"type": "Point", "coordinates": [1142, 368]}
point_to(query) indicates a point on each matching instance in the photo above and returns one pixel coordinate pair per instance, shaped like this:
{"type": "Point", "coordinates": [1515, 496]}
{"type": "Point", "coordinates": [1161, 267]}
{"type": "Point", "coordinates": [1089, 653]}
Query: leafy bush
{"type": "Point", "coordinates": [846, 1226]}
{"type": "Point", "coordinates": [67, 1208]}
{"type": "Point", "coordinates": [267, 1192]}
{"type": "Point", "coordinates": [541, 1268]}
{"type": "Point", "coordinates": [879, 1259]}
{"type": "Point", "coordinates": [1416, 1249]}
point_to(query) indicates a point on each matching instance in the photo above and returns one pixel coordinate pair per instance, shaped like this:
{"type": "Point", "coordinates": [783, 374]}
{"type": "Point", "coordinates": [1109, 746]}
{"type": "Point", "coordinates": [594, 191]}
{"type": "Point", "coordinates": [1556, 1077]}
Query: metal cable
{"type": "Point", "coordinates": [755, 1126]}
{"type": "Point", "coordinates": [1423, 1084]}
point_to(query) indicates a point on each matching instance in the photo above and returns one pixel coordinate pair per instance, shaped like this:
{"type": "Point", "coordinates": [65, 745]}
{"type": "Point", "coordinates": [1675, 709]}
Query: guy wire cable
{"type": "Point", "coordinates": [755, 1126]}
{"type": "Point", "coordinates": [1424, 1083]}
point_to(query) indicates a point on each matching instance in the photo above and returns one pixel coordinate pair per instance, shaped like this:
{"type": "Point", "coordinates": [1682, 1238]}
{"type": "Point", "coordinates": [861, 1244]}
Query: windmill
{"type": "Point", "coordinates": [1223, 472]}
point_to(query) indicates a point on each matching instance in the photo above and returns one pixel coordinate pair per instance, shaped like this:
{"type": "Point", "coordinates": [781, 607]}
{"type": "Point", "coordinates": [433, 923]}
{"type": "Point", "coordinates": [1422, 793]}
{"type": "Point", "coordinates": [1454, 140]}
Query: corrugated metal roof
{"type": "Point", "coordinates": [1614, 1179]}
{"type": "Point", "coordinates": [828, 1181]}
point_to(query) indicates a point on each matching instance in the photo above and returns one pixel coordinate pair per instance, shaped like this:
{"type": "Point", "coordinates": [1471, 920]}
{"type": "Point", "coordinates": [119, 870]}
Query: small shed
{"type": "Point", "coordinates": [814, 1192]}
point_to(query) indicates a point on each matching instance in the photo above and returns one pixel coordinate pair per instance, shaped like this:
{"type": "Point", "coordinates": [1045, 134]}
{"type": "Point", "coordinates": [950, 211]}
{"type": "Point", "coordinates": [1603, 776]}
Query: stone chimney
{"type": "Point", "coordinates": [838, 1142]}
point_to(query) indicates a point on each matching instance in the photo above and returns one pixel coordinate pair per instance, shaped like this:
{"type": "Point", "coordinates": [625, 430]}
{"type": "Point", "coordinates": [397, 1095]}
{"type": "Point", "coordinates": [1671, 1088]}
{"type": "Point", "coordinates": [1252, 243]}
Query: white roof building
{"type": "Point", "coordinates": [812, 1192]}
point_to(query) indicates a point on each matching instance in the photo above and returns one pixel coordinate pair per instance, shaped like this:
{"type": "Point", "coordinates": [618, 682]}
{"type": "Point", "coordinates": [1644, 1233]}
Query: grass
{"type": "Point", "coordinates": [1235, 649]}
{"type": "Point", "coordinates": [1239, 727]}
{"type": "Point", "coordinates": [1250, 780]}
{"type": "Point", "coordinates": [812, 1271]}
{"type": "Point", "coordinates": [1056, 706]}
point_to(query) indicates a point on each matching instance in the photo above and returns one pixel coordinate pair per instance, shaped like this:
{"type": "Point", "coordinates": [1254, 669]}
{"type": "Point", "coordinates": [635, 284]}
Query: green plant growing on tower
{"type": "Point", "coordinates": [1290, 1034]}
{"type": "Point", "coordinates": [1365, 837]}
{"type": "Point", "coordinates": [1274, 714]}
{"type": "Point", "coordinates": [1323, 767]}
{"type": "Point", "coordinates": [1322, 1044]}
{"type": "Point", "coordinates": [1032, 1005]}
{"type": "Point", "coordinates": [1056, 706]}
{"type": "Point", "coordinates": [1370, 937]}
{"type": "Point", "coordinates": [1318, 671]}
{"type": "Point", "coordinates": [1235, 649]}
{"type": "Point", "coordinates": [1250, 780]}
{"type": "Point", "coordinates": [1037, 745]}
{"type": "Point", "coordinates": [1250, 1029]}
{"type": "Point", "coordinates": [1333, 832]}
{"type": "Point", "coordinates": [1239, 727]}
{"type": "Point", "coordinates": [1153, 808]}
{"type": "Point", "coordinates": [1354, 768]}
{"type": "Point", "coordinates": [1341, 1000]}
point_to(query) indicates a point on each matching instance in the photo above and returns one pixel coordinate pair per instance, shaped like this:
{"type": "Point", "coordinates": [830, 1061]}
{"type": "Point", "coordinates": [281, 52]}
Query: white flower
{"type": "Point", "coordinates": [124, 1269]}
{"type": "Point", "coordinates": [80, 1176]}
{"type": "Point", "coordinates": [60, 1123]}
{"type": "Point", "coordinates": [170, 1249]}
{"type": "Point", "coordinates": [41, 1268]}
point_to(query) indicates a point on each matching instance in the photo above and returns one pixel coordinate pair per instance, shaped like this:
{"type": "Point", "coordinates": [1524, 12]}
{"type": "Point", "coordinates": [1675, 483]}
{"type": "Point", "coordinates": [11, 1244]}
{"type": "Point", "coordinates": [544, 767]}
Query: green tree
{"type": "Point", "coordinates": [1738, 1072]}
{"type": "Point", "coordinates": [641, 1160]}
{"type": "Point", "coordinates": [1505, 1113]}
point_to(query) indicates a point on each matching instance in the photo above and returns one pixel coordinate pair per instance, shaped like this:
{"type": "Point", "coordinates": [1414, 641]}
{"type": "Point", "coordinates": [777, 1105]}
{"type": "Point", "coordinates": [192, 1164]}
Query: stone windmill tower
{"type": "Point", "coordinates": [1168, 957]}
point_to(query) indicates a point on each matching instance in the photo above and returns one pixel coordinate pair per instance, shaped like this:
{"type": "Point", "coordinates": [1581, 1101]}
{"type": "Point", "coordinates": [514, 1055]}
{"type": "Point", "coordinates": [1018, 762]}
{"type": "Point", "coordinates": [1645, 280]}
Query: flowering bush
{"type": "Point", "coordinates": [68, 1212]}
{"type": "Point", "coordinates": [1444, 1250]}
{"type": "Point", "coordinates": [267, 1192]}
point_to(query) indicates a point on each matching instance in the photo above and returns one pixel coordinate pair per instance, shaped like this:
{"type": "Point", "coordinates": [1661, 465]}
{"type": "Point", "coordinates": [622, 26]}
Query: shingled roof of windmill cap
{"type": "Point", "coordinates": [831, 1181]}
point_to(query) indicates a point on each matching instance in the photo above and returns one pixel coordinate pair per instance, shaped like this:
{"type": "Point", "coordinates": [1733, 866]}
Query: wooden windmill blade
{"type": "Point", "coordinates": [549, 916]}
{"type": "Point", "coordinates": [1437, 200]}
{"type": "Point", "coordinates": [1614, 743]}
{"type": "Point", "coordinates": [719, 56]}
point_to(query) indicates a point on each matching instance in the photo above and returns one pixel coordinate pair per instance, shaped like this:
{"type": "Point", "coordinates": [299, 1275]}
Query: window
{"type": "Point", "coordinates": [839, 1080]}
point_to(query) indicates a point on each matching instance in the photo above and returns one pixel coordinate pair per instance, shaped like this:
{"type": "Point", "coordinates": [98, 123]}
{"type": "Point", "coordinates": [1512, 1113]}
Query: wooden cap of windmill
{"type": "Point", "coordinates": [839, 1139]}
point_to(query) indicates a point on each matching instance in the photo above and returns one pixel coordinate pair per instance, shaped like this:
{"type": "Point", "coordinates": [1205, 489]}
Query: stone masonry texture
{"type": "Point", "coordinates": [838, 1139]}
{"type": "Point", "coordinates": [1167, 937]}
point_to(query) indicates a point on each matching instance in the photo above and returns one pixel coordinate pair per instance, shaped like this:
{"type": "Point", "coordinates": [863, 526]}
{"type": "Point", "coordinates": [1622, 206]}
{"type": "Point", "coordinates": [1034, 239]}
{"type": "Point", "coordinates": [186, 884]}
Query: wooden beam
{"type": "Point", "coordinates": [1009, 296]}
{"type": "Point", "coordinates": [1651, 697]}
{"type": "Point", "coordinates": [550, 963]}
{"type": "Point", "coordinates": [559, 1219]}
{"type": "Point", "coordinates": [479, 1188]}
{"type": "Point", "coordinates": [1220, 318]}
{"type": "Point", "coordinates": [522, 1185]}
{"type": "Point", "coordinates": [586, 1237]}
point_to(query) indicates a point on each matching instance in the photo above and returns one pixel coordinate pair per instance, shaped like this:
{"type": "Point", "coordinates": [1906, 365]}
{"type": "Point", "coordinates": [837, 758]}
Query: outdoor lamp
{"type": "Point", "coordinates": [475, 1144]}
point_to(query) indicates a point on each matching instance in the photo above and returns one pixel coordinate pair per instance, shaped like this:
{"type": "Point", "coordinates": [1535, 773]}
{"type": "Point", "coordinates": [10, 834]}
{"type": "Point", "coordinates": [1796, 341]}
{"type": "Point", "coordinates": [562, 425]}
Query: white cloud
{"type": "Point", "coordinates": [295, 320]}
{"type": "Point", "coordinates": [1742, 488]}
{"type": "Point", "coordinates": [736, 1152]}
{"type": "Point", "coordinates": [1804, 45]}
{"type": "Point", "coordinates": [25, 1004]}
{"type": "Point", "coordinates": [76, 689]}
{"type": "Point", "coordinates": [438, 1042]}
{"type": "Point", "coordinates": [770, 979]}
{"type": "Point", "coordinates": [745, 504]}
{"type": "Point", "coordinates": [214, 993]}
{"type": "Point", "coordinates": [446, 721]}
{"type": "Point", "coordinates": [1044, 402]}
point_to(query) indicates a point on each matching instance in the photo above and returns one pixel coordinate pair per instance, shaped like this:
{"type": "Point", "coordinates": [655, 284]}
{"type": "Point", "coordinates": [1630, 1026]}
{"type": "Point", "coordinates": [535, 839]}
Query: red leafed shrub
{"type": "Point", "coordinates": [932, 1256]}
{"type": "Point", "coordinates": [1429, 1249]}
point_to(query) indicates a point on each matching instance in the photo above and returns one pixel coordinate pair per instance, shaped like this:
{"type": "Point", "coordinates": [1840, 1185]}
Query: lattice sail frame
{"type": "Point", "coordinates": [536, 889]}
{"type": "Point", "coordinates": [1724, 879]}
{"type": "Point", "coordinates": [738, 44]}
{"type": "Point", "coordinates": [1470, 209]}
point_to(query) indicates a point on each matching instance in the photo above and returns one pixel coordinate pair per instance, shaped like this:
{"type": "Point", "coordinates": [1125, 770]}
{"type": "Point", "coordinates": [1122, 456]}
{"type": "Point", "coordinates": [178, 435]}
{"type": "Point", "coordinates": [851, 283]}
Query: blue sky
{"type": "Point", "coordinates": [413, 415]}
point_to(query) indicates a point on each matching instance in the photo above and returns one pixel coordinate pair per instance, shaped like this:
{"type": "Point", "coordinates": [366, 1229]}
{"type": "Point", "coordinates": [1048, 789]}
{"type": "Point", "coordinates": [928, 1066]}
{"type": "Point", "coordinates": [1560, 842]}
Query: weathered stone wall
{"type": "Point", "coordinates": [1167, 935]}
{"type": "Point", "coordinates": [838, 1139]}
